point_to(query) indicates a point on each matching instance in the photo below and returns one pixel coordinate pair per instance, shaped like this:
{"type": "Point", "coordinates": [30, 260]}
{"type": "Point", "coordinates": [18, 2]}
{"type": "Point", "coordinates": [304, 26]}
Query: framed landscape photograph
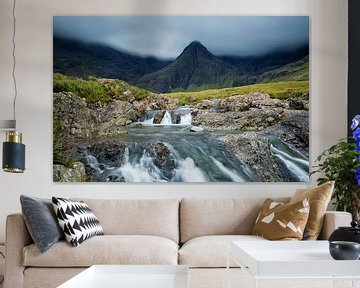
{"type": "Point", "coordinates": [181, 99]}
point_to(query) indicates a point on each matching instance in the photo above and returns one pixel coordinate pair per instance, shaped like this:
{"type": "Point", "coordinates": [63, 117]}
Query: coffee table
{"type": "Point", "coordinates": [293, 260]}
{"type": "Point", "coordinates": [131, 276]}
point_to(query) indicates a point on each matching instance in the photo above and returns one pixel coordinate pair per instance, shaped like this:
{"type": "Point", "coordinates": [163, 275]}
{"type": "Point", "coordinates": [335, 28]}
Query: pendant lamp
{"type": "Point", "coordinates": [13, 159]}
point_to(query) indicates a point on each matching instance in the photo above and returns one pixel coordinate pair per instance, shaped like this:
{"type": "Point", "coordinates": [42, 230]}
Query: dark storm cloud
{"type": "Point", "coordinates": [166, 37]}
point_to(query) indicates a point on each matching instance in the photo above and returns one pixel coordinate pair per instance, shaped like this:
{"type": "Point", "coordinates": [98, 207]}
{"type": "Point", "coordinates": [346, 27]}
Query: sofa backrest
{"type": "Point", "coordinates": [159, 217]}
{"type": "Point", "coordinates": [200, 217]}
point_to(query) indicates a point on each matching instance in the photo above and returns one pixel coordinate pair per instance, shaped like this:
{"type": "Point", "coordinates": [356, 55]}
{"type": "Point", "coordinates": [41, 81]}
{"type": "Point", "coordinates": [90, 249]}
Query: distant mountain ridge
{"type": "Point", "coordinates": [78, 59]}
{"type": "Point", "coordinates": [196, 68]}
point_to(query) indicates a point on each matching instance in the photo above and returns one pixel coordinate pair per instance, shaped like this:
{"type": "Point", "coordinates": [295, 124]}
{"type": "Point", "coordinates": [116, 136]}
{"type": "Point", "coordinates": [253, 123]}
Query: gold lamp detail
{"type": "Point", "coordinates": [13, 149]}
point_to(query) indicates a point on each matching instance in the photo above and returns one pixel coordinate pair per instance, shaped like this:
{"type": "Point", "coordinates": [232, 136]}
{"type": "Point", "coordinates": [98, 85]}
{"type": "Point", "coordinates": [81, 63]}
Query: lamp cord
{"type": "Point", "coordinates": [14, 61]}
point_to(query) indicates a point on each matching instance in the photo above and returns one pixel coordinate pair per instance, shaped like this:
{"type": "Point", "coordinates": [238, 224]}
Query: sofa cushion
{"type": "Point", "coordinates": [107, 249]}
{"type": "Point", "coordinates": [158, 217]}
{"type": "Point", "coordinates": [211, 251]}
{"type": "Point", "coordinates": [319, 198]}
{"type": "Point", "coordinates": [279, 221]}
{"type": "Point", "coordinates": [41, 221]}
{"type": "Point", "coordinates": [77, 220]}
{"type": "Point", "coordinates": [200, 217]}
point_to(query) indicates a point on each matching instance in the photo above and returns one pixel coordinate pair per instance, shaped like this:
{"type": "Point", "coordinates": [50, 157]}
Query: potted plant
{"type": "Point", "coordinates": [341, 163]}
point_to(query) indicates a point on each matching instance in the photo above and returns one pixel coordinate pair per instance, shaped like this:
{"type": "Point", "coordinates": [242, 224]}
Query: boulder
{"type": "Point", "coordinates": [76, 173]}
{"type": "Point", "coordinates": [108, 152]}
{"type": "Point", "coordinates": [252, 120]}
{"type": "Point", "coordinates": [162, 158]}
{"type": "Point", "coordinates": [196, 129]}
{"type": "Point", "coordinates": [158, 117]}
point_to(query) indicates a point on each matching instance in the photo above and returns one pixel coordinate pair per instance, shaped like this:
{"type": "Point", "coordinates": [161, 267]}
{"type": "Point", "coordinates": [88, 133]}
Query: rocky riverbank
{"type": "Point", "coordinates": [255, 122]}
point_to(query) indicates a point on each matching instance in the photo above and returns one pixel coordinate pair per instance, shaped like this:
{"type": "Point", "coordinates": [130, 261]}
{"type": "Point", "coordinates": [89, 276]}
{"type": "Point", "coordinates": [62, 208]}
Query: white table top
{"type": "Point", "coordinates": [131, 276]}
{"type": "Point", "coordinates": [291, 259]}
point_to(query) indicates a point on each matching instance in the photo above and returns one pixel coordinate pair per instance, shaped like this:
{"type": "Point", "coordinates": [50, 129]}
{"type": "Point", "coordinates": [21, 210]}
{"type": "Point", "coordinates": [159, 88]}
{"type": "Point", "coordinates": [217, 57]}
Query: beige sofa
{"type": "Point", "coordinates": [194, 232]}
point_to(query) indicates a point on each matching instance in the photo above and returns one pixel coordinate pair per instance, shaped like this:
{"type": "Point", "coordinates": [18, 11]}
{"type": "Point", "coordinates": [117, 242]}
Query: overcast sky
{"type": "Point", "coordinates": [166, 37]}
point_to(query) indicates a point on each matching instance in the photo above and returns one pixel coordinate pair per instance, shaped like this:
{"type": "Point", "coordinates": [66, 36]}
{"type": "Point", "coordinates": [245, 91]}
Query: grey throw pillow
{"type": "Point", "coordinates": [41, 221]}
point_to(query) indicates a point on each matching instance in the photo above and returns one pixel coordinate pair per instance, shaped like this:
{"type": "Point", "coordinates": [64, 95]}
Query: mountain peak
{"type": "Point", "coordinates": [195, 49]}
{"type": "Point", "coordinates": [196, 44]}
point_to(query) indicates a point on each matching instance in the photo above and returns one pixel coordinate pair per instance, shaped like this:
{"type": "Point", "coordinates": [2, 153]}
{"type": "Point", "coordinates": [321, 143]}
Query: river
{"type": "Point", "coordinates": [193, 157]}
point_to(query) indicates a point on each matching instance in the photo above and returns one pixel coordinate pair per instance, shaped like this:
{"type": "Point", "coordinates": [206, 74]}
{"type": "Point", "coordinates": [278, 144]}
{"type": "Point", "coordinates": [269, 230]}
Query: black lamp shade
{"type": "Point", "coordinates": [13, 157]}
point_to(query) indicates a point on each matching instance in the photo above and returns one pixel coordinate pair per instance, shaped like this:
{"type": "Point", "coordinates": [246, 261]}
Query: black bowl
{"type": "Point", "coordinates": [344, 250]}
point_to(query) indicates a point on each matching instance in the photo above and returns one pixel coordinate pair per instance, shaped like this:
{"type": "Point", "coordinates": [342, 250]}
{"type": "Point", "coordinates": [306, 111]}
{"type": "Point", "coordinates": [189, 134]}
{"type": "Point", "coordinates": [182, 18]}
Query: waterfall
{"type": "Point", "coordinates": [186, 119]}
{"type": "Point", "coordinates": [166, 119]}
{"type": "Point", "coordinates": [230, 173]}
{"type": "Point", "coordinates": [296, 166]}
{"type": "Point", "coordinates": [188, 172]}
{"type": "Point", "coordinates": [142, 171]}
{"type": "Point", "coordinates": [178, 117]}
{"type": "Point", "coordinates": [149, 121]}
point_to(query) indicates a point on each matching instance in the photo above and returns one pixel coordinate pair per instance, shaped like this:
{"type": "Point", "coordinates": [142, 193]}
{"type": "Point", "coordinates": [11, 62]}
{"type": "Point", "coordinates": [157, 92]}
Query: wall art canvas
{"type": "Point", "coordinates": [181, 99]}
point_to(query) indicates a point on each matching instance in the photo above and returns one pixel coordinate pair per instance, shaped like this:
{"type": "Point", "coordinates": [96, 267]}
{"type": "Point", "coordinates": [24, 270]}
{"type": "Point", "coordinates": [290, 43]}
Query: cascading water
{"type": "Point", "coordinates": [190, 157]}
{"type": "Point", "coordinates": [169, 152]}
{"type": "Point", "coordinates": [166, 119]}
{"type": "Point", "coordinates": [296, 165]}
{"type": "Point", "coordinates": [181, 116]}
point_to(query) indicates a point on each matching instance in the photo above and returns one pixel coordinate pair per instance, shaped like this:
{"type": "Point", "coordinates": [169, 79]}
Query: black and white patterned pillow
{"type": "Point", "coordinates": [77, 220]}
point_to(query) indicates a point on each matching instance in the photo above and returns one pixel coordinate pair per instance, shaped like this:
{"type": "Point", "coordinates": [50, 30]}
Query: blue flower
{"type": "Point", "coordinates": [357, 176]}
{"type": "Point", "coordinates": [357, 147]}
{"type": "Point", "coordinates": [356, 134]}
{"type": "Point", "coordinates": [355, 122]}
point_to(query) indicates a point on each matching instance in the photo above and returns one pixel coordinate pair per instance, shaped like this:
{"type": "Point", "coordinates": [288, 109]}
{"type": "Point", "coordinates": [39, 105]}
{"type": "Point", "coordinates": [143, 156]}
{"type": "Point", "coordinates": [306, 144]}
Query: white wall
{"type": "Point", "coordinates": [328, 22]}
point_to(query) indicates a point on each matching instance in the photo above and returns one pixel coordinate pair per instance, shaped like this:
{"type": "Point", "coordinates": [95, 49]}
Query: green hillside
{"type": "Point", "coordinates": [94, 90]}
{"type": "Point", "coordinates": [280, 90]}
{"type": "Point", "coordinates": [296, 71]}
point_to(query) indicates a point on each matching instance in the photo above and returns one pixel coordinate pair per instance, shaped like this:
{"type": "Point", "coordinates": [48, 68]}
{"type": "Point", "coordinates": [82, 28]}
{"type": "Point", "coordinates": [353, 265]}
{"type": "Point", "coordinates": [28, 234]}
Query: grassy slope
{"type": "Point", "coordinates": [94, 91]}
{"type": "Point", "coordinates": [280, 90]}
{"type": "Point", "coordinates": [297, 71]}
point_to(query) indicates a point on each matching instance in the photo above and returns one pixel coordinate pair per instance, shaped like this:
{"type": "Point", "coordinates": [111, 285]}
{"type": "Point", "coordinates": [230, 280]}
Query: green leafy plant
{"type": "Point", "coordinates": [339, 163]}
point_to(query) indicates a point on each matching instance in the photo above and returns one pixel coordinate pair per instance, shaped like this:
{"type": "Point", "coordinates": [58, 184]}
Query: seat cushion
{"type": "Point", "coordinates": [107, 249]}
{"type": "Point", "coordinates": [211, 251]}
{"type": "Point", "coordinates": [205, 217]}
{"type": "Point", "coordinates": [157, 217]}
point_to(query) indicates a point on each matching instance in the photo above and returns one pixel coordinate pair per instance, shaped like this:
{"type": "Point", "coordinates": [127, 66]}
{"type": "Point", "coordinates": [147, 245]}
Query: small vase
{"type": "Point", "coordinates": [343, 250]}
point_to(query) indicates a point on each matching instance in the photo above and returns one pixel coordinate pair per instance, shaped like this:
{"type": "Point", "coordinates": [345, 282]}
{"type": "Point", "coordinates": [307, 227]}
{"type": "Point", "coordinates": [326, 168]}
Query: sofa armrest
{"type": "Point", "coordinates": [333, 220]}
{"type": "Point", "coordinates": [17, 237]}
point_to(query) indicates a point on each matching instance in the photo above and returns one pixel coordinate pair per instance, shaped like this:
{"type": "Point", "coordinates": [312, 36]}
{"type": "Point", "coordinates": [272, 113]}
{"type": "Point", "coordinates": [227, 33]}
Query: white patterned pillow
{"type": "Point", "coordinates": [77, 220]}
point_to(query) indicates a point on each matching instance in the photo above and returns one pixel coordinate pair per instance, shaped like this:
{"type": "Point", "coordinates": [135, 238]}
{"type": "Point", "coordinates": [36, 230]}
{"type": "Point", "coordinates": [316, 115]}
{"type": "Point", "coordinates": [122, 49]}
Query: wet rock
{"type": "Point", "coordinates": [107, 152]}
{"type": "Point", "coordinates": [158, 117]}
{"type": "Point", "coordinates": [294, 130]}
{"type": "Point", "coordinates": [196, 129]}
{"type": "Point", "coordinates": [163, 102]}
{"type": "Point", "coordinates": [254, 149]}
{"type": "Point", "coordinates": [162, 158]}
{"type": "Point", "coordinates": [299, 103]}
{"type": "Point", "coordinates": [239, 103]}
{"type": "Point", "coordinates": [251, 120]}
{"type": "Point", "coordinates": [76, 173]}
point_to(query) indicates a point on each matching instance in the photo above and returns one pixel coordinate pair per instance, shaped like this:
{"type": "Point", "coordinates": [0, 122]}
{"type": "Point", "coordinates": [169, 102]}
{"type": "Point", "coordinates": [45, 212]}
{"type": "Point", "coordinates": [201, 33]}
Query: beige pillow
{"type": "Point", "coordinates": [279, 221]}
{"type": "Point", "coordinates": [319, 198]}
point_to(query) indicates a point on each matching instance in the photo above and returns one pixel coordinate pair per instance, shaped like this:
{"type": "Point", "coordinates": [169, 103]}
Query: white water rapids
{"type": "Point", "coordinates": [189, 157]}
